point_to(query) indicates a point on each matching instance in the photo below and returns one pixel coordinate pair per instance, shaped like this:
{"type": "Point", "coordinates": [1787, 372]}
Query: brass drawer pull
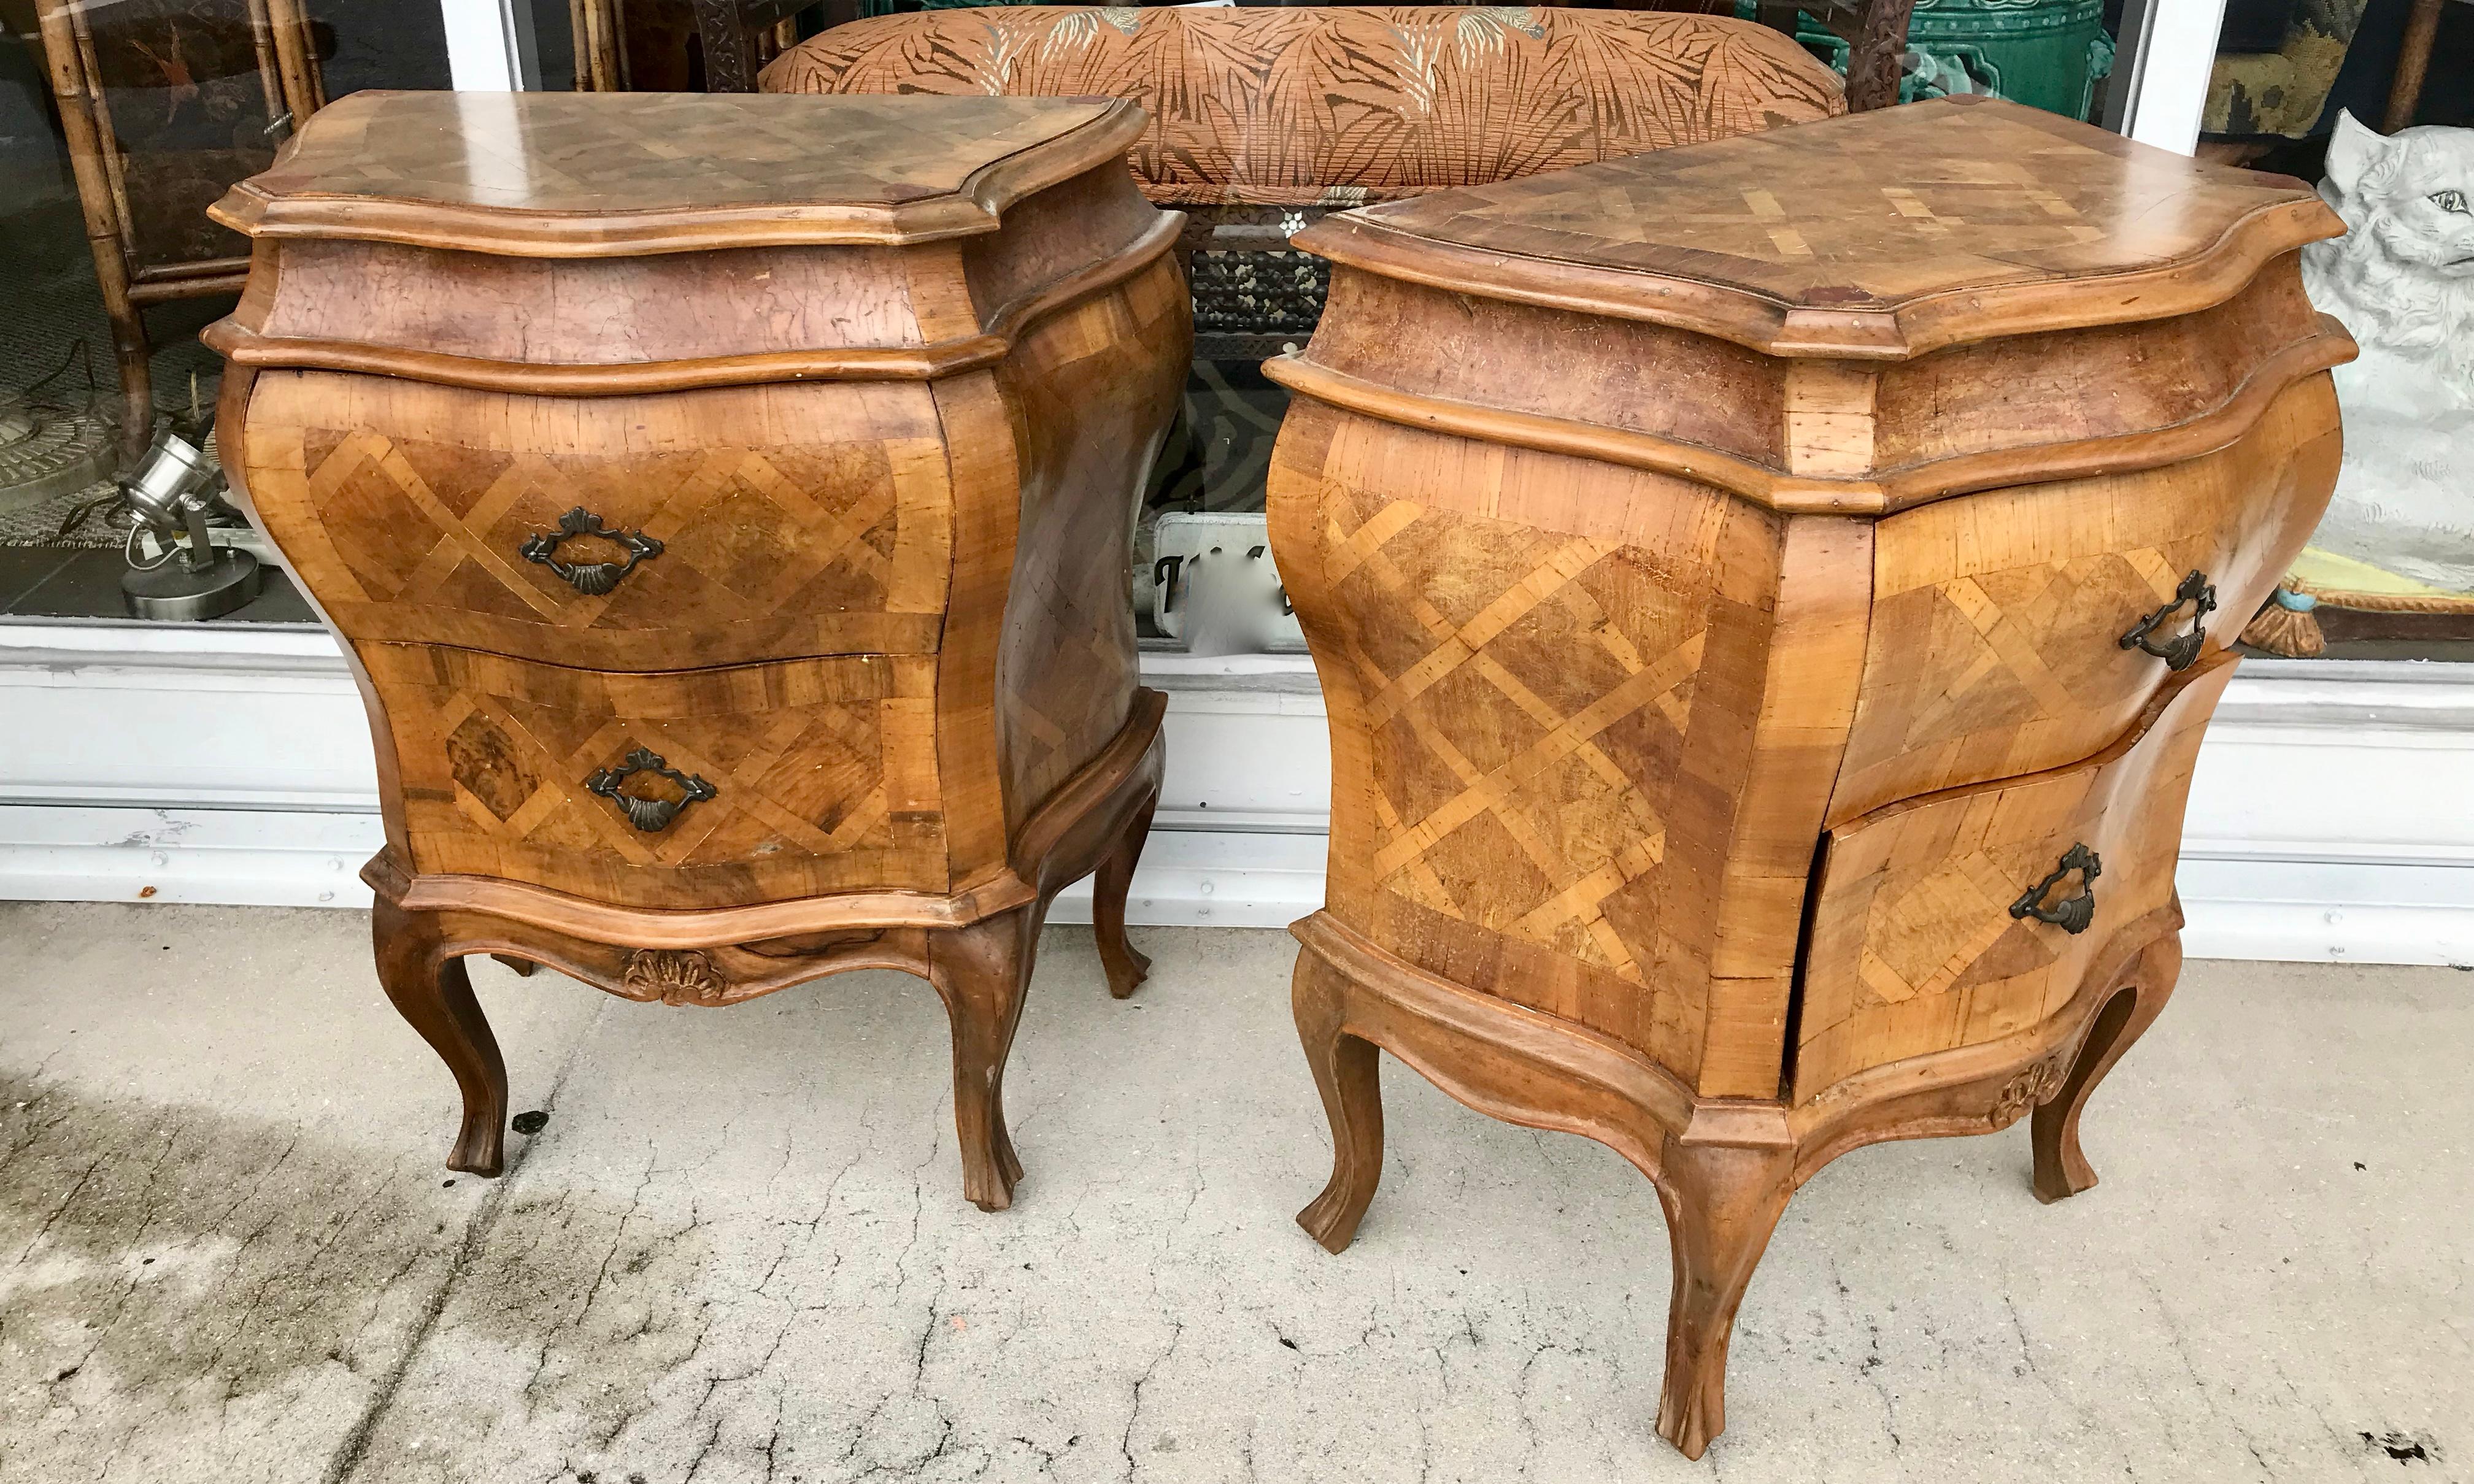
{"type": "Point", "coordinates": [589, 578]}
{"type": "Point", "coordinates": [2072, 915]}
{"type": "Point", "coordinates": [2182, 650]}
{"type": "Point", "coordinates": [649, 814]}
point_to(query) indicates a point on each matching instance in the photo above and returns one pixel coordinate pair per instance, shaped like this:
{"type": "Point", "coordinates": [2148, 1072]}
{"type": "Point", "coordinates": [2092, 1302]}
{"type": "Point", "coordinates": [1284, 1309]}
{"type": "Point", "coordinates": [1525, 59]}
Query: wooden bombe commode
{"type": "Point", "coordinates": [1768, 595]}
{"type": "Point", "coordinates": [725, 502]}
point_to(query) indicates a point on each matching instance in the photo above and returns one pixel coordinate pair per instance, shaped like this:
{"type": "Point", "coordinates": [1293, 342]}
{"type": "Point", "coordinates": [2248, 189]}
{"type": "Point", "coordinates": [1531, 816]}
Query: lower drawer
{"type": "Point", "coordinates": [1915, 945]}
{"type": "Point", "coordinates": [783, 779]}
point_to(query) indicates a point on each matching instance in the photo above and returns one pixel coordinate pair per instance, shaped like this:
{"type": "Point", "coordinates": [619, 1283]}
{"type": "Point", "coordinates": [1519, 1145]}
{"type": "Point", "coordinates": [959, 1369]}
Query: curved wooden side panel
{"type": "Point", "coordinates": [1093, 392]}
{"type": "Point", "coordinates": [1997, 618]}
{"type": "Point", "coordinates": [1543, 675]}
{"type": "Point", "coordinates": [1584, 720]}
{"type": "Point", "coordinates": [232, 448]}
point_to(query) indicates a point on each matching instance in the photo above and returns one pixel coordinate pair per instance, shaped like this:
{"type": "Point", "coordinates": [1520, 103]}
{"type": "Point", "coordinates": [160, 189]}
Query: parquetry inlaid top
{"type": "Point", "coordinates": [609, 174]}
{"type": "Point", "coordinates": [1882, 234]}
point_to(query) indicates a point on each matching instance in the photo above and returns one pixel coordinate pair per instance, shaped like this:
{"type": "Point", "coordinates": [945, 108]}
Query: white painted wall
{"type": "Point", "coordinates": [2332, 817]}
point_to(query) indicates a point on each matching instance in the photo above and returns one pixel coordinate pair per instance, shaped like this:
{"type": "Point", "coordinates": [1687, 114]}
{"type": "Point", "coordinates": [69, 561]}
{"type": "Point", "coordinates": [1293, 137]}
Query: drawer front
{"type": "Point", "coordinates": [1915, 946]}
{"type": "Point", "coordinates": [1998, 618]}
{"type": "Point", "coordinates": [720, 527]}
{"type": "Point", "coordinates": [783, 780]}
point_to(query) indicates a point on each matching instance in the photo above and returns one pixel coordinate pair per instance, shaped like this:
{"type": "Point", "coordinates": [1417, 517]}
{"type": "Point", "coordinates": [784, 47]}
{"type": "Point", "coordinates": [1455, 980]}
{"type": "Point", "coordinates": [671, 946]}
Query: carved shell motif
{"type": "Point", "coordinates": [647, 813]}
{"type": "Point", "coordinates": [594, 578]}
{"type": "Point", "coordinates": [674, 977]}
{"type": "Point", "coordinates": [2036, 1082]}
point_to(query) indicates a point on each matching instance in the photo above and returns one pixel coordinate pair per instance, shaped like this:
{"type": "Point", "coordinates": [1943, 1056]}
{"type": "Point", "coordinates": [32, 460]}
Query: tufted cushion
{"type": "Point", "coordinates": [1335, 107]}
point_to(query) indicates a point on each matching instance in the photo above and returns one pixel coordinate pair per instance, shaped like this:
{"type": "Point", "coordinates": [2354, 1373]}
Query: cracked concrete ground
{"type": "Point", "coordinates": [739, 1251]}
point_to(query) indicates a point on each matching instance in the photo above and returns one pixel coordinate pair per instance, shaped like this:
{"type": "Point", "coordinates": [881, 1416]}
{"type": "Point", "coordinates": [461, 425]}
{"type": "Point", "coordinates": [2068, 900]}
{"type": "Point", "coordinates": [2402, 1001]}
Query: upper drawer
{"type": "Point", "coordinates": [1925, 934]}
{"type": "Point", "coordinates": [750, 522]}
{"type": "Point", "coordinates": [1997, 641]}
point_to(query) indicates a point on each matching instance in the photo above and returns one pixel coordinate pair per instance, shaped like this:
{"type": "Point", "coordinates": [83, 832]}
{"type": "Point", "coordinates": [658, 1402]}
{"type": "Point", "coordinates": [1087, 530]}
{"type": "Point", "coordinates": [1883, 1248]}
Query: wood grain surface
{"type": "Point", "coordinates": [1914, 948]}
{"type": "Point", "coordinates": [1534, 670]}
{"type": "Point", "coordinates": [794, 520]}
{"type": "Point", "coordinates": [603, 175]}
{"type": "Point", "coordinates": [727, 506]}
{"type": "Point", "coordinates": [1995, 645]}
{"type": "Point", "coordinates": [1726, 572]}
{"type": "Point", "coordinates": [1881, 236]}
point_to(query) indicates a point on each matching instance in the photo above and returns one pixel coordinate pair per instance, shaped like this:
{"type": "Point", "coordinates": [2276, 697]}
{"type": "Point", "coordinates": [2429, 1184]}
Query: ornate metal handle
{"type": "Point", "coordinates": [589, 578]}
{"type": "Point", "coordinates": [649, 814]}
{"type": "Point", "coordinates": [2182, 650]}
{"type": "Point", "coordinates": [2072, 915]}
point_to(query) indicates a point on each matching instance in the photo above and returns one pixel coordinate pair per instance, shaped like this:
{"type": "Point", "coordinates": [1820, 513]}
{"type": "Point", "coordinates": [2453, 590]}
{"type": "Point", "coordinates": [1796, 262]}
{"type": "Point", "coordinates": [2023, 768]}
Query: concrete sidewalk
{"type": "Point", "coordinates": [229, 1250]}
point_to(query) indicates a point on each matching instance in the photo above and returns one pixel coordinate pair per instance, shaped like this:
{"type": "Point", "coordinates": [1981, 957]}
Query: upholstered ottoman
{"type": "Point", "coordinates": [1262, 119]}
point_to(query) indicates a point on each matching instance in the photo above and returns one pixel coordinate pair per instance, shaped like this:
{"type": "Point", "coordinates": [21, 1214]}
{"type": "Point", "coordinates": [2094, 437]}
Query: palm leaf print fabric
{"type": "Point", "coordinates": [1335, 107]}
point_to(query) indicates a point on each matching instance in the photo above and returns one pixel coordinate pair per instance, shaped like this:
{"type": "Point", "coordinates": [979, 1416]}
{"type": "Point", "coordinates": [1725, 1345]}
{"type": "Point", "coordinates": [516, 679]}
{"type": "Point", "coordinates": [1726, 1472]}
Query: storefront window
{"type": "Point", "coordinates": [123, 120]}
{"type": "Point", "coordinates": [2376, 101]}
{"type": "Point", "coordinates": [119, 124]}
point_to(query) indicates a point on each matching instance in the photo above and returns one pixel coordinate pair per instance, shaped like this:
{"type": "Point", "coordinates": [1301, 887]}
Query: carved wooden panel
{"type": "Point", "coordinates": [823, 775]}
{"type": "Point", "coordinates": [793, 520]}
{"type": "Point", "coordinates": [1915, 948]}
{"type": "Point", "coordinates": [1995, 647]}
{"type": "Point", "coordinates": [1543, 676]}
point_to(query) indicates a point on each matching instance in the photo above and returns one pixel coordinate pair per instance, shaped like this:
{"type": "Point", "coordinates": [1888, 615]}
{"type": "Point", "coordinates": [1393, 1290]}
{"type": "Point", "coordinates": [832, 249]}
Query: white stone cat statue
{"type": "Point", "coordinates": [2402, 280]}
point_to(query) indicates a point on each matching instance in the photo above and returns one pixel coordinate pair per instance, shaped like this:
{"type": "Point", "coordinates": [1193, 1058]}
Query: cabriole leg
{"type": "Point", "coordinates": [432, 992]}
{"type": "Point", "coordinates": [983, 971]}
{"type": "Point", "coordinates": [1347, 1074]}
{"type": "Point", "coordinates": [1722, 1202]}
{"type": "Point", "coordinates": [1127, 966]}
{"type": "Point", "coordinates": [2062, 1170]}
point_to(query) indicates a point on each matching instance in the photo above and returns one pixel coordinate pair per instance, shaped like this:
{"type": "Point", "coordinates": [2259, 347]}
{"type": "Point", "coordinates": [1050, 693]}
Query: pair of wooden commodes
{"type": "Point", "coordinates": [1768, 594]}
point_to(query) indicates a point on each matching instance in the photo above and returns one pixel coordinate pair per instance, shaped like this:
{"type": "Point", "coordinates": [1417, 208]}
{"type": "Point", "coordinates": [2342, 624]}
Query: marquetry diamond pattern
{"type": "Point", "coordinates": [1873, 208]}
{"type": "Point", "coordinates": [1545, 819]}
{"type": "Point", "coordinates": [745, 533]}
{"type": "Point", "coordinates": [579, 153]}
{"type": "Point", "coordinates": [1951, 929]}
{"type": "Point", "coordinates": [1997, 651]}
{"type": "Point", "coordinates": [847, 780]}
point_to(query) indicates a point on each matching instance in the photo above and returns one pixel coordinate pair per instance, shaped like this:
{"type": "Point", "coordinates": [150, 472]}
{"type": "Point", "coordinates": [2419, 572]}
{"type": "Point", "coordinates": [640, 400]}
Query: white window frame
{"type": "Point", "coordinates": [2160, 87]}
{"type": "Point", "coordinates": [490, 46]}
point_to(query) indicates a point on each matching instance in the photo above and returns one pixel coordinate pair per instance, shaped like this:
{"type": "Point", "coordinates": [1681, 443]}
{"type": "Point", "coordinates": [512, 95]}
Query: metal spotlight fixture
{"type": "Point", "coordinates": [170, 494]}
